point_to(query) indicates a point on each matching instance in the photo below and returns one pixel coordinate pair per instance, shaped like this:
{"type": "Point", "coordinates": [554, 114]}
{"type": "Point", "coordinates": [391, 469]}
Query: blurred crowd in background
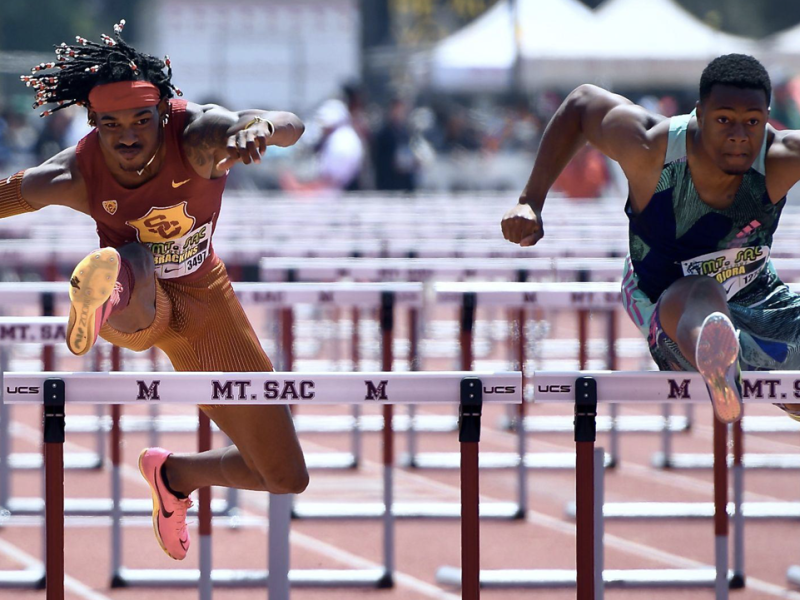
{"type": "Point", "coordinates": [352, 144]}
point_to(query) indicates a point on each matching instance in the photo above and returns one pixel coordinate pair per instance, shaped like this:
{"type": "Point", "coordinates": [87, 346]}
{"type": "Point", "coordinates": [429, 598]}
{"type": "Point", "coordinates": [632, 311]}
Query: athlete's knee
{"type": "Point", "coordinates": [703, 289]}
{"type": "Point", "coordinates": [284, 480]}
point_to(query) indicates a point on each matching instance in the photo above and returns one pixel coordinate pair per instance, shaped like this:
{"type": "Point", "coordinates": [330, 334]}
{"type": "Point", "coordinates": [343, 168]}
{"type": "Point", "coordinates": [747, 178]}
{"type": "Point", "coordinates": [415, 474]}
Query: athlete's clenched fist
{"type": "Point", "coordinates": [522, 225]}
{"type": "Point", "coordinates": [248, 144]}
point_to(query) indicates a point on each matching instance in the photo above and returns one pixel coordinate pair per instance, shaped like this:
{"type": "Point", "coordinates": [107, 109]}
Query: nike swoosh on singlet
{"type": "Point", "coordinates": [167, 514]}
{"type": "Point", "coordinates": [179, 184]}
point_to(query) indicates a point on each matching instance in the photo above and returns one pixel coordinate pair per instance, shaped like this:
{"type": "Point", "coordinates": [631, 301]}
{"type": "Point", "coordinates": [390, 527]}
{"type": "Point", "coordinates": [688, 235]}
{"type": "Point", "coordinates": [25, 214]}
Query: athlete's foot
{"type": "Point", "coordinates": [93, 292]}
{"type": "Point", "coordinates": [169, 512]}
{"type": "Point", "coordinates": [717, 358]}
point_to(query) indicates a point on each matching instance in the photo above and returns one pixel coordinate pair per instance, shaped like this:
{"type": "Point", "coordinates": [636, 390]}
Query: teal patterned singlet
{"type": "Point", "coordinates": [678, 234]}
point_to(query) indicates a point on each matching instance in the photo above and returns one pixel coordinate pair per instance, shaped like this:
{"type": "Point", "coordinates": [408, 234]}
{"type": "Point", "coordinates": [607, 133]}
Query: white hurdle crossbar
{"type": "Point", "coordinates": [55, 391]}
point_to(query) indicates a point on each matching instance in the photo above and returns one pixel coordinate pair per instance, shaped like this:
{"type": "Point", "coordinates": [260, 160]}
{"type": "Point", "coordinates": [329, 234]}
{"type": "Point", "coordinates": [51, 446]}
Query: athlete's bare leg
{"type": "Point", "coordinates": [685, 305]}
{"type": "Point", "coordinates": [694, 313]}
{"type": "Point", "coordinates": [141, 310]}
{"type": "Point", "coordinates": [266, 456]}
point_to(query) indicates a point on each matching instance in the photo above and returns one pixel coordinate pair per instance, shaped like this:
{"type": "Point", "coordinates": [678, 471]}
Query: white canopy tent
{"type": "Point", "coordinates": [563, 43]}
{"type": "Point", "coordinates": [482, 54]}
{"type": "Point", "coordinates": [657, 42]}
{"type": "Point", "coordinates": [783, 51]}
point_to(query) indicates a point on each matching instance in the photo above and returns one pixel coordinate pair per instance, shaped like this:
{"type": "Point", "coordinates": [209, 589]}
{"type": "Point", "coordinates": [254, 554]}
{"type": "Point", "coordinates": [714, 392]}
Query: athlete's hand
{"type": "Point", "coordinates": [522, 225]}
{"type": "Point", "coordinates": [247, 145]}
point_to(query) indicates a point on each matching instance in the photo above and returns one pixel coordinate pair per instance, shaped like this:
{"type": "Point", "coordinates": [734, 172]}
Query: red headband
{"type": "Point", "coordinates": [123, 95]}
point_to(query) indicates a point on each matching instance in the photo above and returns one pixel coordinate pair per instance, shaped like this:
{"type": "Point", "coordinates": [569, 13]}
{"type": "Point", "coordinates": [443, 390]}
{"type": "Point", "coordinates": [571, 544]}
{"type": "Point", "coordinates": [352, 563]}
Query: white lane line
{"type": "Point", "coordinates": [29, 562]}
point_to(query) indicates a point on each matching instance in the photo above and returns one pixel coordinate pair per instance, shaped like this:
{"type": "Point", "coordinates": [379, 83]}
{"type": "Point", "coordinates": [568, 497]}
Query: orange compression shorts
{"type": "Point", "coordinates": [200, 326]}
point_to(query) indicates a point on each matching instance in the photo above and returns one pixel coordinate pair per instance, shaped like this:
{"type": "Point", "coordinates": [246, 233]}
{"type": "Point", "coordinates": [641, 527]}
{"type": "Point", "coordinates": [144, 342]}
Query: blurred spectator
{"type": "Point", "coordinates": [459, 133]}
{"type": "Point", "coordinates": [54, 136]}
{"type": "Point", "coordinates": [354, 98]}
{"type": "Point", "coordinates": [339, 152]}
{"type": "Point", "coordinates": [5, 148]}
{"type": "Point", "coordinates": [19, 139]}
{"type": "Point", "coordinates": [396, 165]}
{"type": "Point", "coordinates": [784, 112]}
{"type": "Point", "coordinates": [585, 176]}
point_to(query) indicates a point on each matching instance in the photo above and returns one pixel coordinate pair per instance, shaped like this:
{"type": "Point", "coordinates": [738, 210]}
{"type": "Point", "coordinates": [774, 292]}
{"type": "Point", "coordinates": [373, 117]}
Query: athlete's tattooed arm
{"type": "Point", "coordinates": [216, 138]}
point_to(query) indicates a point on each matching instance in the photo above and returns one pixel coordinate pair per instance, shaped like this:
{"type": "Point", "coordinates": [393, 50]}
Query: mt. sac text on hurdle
{"type": "Point", "coordinates": [273, 390]}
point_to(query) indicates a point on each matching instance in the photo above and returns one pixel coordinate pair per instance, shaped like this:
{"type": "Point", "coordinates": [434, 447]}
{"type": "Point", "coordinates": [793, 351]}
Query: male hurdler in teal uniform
{"type": "Point", "coordinates": [706, 192]}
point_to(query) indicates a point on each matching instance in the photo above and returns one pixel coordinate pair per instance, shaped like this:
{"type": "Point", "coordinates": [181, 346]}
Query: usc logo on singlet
{"type": "Point", "coordinates": [160, 224]}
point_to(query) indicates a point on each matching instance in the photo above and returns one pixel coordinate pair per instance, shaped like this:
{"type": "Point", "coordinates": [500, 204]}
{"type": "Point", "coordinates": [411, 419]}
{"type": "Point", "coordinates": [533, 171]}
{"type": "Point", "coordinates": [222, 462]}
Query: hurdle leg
{"type": "Point", "coordinates": [54, 424]}
{"type": "Point", "coordinates": [738, 578]}
{"type": "Point", "coordinates": [612, 365]}
{"type": "Point", "coordinates": [387, 360]}
{"type": "Point", "coordinates": [280, 512]}
{"type": "Point", "coordinates": [413, 365]}
{"type": "Point", "coordinates": [666, 438]}
{"type": "Point", "coordinates": [720, 508]}
{"type": "Point", "coordinates": [5, 439]}
{"type": "Point", "coordinates": [355, 355]}
{"type": "Point", "coordinates": [116, 482]}
{"type": "Point", "coordinates": [152, 410]}
{"type": "Point", "coordinates": [469, 436]}
{"type": "Point", "coordinates": [599, 522]}
{"type": "Point", "coordinates": [522, 469]}
{"type": "Point", "coordinates": [585, 436]}
{"type": "Point", "coordinates": [116, 497]}
{"type": "Point", "coordinates": [204, 493]}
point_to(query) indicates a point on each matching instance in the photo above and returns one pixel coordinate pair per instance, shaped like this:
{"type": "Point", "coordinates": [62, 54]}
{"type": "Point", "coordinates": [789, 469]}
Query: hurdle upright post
{"type": "Point", "coordinates": [585, 436]}
{"type": "Point", "coordinates": [54, 423]}
{"type": "Point", "coordinates": [204, 524]}
{"type": "Point", "coordinates": [739, 577]}
{"type": "Point", "coordinates": [469, 435]}
{"type": "Point", "coordinates": [387, 360]}
{"type": "Point", "coordinates": [721, 521]}
{"type": "Point", "coordinates": [115, 440]}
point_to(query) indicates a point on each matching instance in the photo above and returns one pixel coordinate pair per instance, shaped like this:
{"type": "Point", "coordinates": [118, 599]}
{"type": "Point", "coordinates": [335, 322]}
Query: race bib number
{"type": "Point", "coordinates": [181, 256]}
{"type": "Point", "coordinates": [734, 268]}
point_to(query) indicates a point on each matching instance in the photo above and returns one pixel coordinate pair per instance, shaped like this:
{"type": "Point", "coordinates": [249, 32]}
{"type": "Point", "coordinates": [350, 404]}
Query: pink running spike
{"type": "Point", "coordinates": [169, 512]}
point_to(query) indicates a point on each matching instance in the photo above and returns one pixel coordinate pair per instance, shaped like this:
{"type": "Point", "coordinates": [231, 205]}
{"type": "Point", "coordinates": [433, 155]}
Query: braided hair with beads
{"type": "Point", "coordinates": [81, 67]}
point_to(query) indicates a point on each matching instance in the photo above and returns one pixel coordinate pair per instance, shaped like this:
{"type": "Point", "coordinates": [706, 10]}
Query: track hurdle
{"type": "Point", "coordinates": [519, 295]}
{"type": "Point", "coordinates": [636, 387]}
{"type": "Point", "coordinates": [56, 391]}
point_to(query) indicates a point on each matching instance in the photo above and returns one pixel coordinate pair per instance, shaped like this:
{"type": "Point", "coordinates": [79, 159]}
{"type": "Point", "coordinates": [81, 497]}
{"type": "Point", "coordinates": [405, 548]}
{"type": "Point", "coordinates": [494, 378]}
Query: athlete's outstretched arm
{"type": "Point", "coordinates": [611, 123]}
{"type": "Point", "coordinates": [55, 181]}
{"type": "Point", "coordinates": [783, 162]}
{"type": "Point", "coordinates": [218, 138]}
